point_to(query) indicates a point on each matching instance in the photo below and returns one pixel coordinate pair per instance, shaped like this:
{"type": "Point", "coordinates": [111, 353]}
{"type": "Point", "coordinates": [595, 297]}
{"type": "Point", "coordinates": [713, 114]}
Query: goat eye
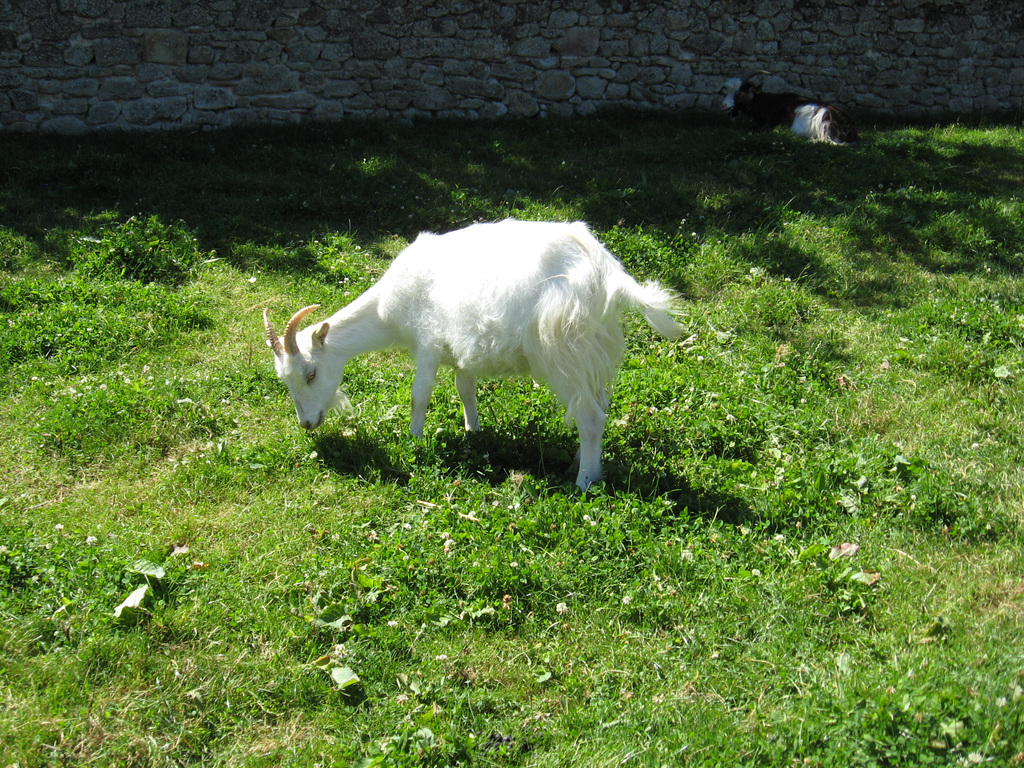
{"type": "Point", "coordinates": [310, 377]}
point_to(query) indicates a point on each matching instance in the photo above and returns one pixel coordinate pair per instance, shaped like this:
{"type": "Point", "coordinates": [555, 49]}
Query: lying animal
{"type": "Point", "coordinates": [802, 116]}
{"type": "Point", "coordinates": [515, 297]}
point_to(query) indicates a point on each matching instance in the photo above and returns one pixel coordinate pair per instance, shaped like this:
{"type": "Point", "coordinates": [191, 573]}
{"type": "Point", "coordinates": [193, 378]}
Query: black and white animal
{"type": "Point", "coordinates": [513, 297]}
{"type": "Point", "coordinates": [804, 117]}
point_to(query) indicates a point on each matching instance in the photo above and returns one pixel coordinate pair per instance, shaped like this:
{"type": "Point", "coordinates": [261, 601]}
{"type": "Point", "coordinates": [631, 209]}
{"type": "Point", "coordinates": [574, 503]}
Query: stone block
{"type": "Point", "coordinates": [373, 45]}
{"type": "Point", "coordinates": [398, 101]}
{"type": "Point", "coordinates": [591, 87]}
{"type": "Point", "coordinates": [532, 48]}
{"type": "Point", "coordinates": [78, 53]}
{"type": "Point", "coordinates": [556, 85]}
{"type": "Point", "coordinates": [147, 72]}
{"type": "Point", "coordinates": [279, 79]}
{"type": "Point", "coordinates": [617, 91]}
{"type": "Point", "coordinates": [522, 105]}
{"type": "Point", "coordinates": [471, 86]}
{"type": "Point", "coordinates": [706, 44]}
{"type": "Point", "coordinates": [328, 111]}
{"type": "Point", "coordinates": [104, 113]}
{"type": "Point", "coordinates": [82, 86]}
{"type": "Point", "coordinates": [201, 54]}
{"type": "Point", "coordinates": [227, 71]}
{"type": "Point", "coordinates": [120, 89]}
{"type": "Point", "coordinates": [304, 51]}
{"type": "Point", "coordinates": [24, 100]}
{"type": "Point", "coordinates": [489, 49]}
{"type": "Point", "coordinates": [494, 110]}
{"type": "Point", "coordinates": [111, 52]}
{"type": "Point", "coordinates": [195, 74]}
{"type": "Point", "coordinates": [336, 52]}
{"type": "Point", "coordinates": [147, 13]}
{"type": "Point", "coordinates": [578, 41]}
{"type": "Point", "coordinates": [290, 102]}
{"type": "Point", "coordinates": [211, 97]}
{"type": "Point", "coordinates": [65, 125]}
{"type": "Point", "coordinates": [433, 99]}
{"type": "Point", "coordinates": [504, 71]}
{"type": "Point", "coordinates": [148, 111]}
{"type": "Point", "coordinates": [165, 47]}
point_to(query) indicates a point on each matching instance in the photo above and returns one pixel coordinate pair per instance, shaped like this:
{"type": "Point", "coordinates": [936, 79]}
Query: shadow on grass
{"type": "Point", "coordinates": [493, 456]}
{"type": "Point", "coordinates": [490, 456]}
{"type": "Point", "coordinates": [900, 189]}
{"type": "Point", "coordinates": [360, 456]}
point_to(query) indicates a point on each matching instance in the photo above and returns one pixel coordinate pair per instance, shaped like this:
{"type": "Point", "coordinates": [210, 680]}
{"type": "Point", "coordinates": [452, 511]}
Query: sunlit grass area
{"type": "Point", "coordinates": [807, 550]}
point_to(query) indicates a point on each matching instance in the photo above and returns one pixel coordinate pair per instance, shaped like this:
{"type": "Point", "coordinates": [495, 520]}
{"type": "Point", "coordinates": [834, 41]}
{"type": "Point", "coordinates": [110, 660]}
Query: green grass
{"type": "Point", "coordinates": [807, 552]}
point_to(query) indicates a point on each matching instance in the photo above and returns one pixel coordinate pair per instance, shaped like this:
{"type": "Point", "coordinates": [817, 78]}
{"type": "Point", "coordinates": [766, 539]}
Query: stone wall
{"type": "Point", "coordinates": [78, 65]}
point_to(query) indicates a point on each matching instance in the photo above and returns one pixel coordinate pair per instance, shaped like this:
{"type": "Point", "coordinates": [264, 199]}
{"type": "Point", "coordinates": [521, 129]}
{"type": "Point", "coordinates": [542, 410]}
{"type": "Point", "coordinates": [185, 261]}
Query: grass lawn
{"type": "Point", "coordinates": [808, 549]}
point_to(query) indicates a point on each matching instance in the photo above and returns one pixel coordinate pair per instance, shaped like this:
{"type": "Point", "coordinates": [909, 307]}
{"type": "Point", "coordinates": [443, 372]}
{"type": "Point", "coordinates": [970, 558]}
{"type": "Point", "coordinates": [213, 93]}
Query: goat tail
{"type": "Point", "coordinates": [657, 303]}
{"type": "Point", "coordinates": [620, 290]}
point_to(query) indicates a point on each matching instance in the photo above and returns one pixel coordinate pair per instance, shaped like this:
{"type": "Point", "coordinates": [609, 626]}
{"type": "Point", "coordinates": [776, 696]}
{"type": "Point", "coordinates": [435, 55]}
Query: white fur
{"type": "Point", "coordinates": [514, 297]}
{"type": "Point", "coordinates": [807, 122]}
{"type": "Point", "coordinates": [731, 86]}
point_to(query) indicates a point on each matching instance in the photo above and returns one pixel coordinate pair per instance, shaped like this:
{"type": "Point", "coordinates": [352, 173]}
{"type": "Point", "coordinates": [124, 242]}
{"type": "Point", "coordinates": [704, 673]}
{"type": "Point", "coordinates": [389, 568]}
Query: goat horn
{"type": "Point", "coordinates": [755, 72]}
{"type": "Point", "coordinates": [290, 346]}
{"type": "Point", "coordinates": [272, 339]}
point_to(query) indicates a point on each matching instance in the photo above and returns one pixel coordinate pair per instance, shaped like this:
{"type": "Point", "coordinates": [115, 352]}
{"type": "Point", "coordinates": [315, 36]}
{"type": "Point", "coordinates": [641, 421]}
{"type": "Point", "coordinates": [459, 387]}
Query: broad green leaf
{"type": "Point", "coordinates": [324, 662]}
{"type": "Point", "coordinates": [334, 616]}
{"type": "Point", "coordinates": [147, 568]}
{"type": "Point", "coordinates": [813, 551]}
{"type": "Point", "coordinates": [866, 577]}
{"type": "Point", "coordinates": [367, 581]}
{"type": "Point", "coordinates": [849, 500]}
{"type": "Point", "coordinates": [131, 609]}
{"type": "Point", "coordinates": [439, 619]}
{"type": "Point", "coordinates": [425, 738]}
{"type": "Point", "coordinates": [953, 728]}
{"type": "Point", "coordinates": [344, 677]}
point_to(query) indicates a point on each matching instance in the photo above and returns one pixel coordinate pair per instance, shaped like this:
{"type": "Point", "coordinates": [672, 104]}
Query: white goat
{"type": "Point", "coordinates": [498, 299]}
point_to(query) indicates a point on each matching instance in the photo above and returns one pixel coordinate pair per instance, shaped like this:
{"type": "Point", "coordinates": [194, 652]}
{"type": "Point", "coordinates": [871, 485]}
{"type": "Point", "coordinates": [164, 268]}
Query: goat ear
{"type": "Point", "coordinates": [320, 334]}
